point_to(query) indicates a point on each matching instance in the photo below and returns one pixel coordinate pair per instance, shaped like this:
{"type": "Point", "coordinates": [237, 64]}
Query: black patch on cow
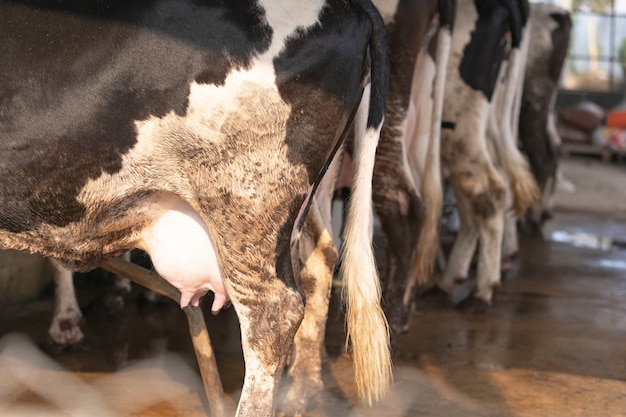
{"type": "Point", "coordinates": [483, 55]}
{"type": "Point", "coordinates": [518, 12]}
{"type": "Point", "coordinates": [541, 82]}
{"type": "Point", "coordinates": [560, 44]}
{"type": "Point", "coordinates": [76, 75]}
{"type": "Point", "coordinates": [447, 11]}
{"type": "Point", "coordinates": [319, 76]}
{"type": "Point", "coordinates": [378, 49]}
{"type": "Point", "coordinates": [448, 125]}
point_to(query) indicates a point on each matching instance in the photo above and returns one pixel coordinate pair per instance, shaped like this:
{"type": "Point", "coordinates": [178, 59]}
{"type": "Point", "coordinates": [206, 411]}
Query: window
{"type": "Point", "coordinates": [596, 59]}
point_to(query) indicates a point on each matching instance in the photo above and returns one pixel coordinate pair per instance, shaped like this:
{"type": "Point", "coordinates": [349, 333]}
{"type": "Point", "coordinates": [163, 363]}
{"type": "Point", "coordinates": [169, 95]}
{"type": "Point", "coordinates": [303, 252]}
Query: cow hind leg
{"type": "Point", "coordinates": [454, 280]}
{"type": "Point", "coordinates": [119, 289]}
{"type": "Point", "coordinates": [481, 208]}
{"type": "Point", "coordinates": [510, 241]}
{"type": "Point", "coordinates": [401, 213]}
{"type": "Point", "coordinates": [269, 317]}
{"type": "Point", "coordinates": [65, 325]}
{"type": "Point", "coordinates": [318, 259]}
{"type": "Point", "coordinates": [488, 270]}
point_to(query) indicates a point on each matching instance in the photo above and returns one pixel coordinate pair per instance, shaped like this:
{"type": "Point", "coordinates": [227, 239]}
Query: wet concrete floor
{"type": "Point", "coordinates": [553, 344]}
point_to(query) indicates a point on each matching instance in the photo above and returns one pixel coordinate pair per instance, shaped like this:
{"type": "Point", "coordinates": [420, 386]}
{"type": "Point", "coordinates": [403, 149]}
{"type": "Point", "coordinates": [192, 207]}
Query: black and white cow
{"type": "Point", "coordinates": [197, 131]}
{"type": "Point", "coordinates": [486, 170]}
{"type": "Point", "coordinates": [549, 38]}
{"type": "Point", "coordinates": [407, 176]}
{"type": "Point", "coordinates": [419, 34]}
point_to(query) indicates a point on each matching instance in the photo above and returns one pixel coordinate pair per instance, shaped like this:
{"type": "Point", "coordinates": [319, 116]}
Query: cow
{"type": "Point", "coordinates": [418, 33]}
{"type": "Point", "coordinates": [503, 144]}
{"type": "Point", "coordinates": [199, 132]}
{"type": "Point", "coordinates": [486, 170]}
{"type": "Point", "coordinates": [407, 174]}
{"type": "Point", "coordinates": [549, 40]}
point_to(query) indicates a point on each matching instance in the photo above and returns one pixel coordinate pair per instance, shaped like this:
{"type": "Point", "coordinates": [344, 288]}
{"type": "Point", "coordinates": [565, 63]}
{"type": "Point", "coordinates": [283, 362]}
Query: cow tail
{"type": "Point", "coordinates": [431, 189]}
{"type": "Point", "coordinates": [525, 192]}
{"type": "Point", "coordinates": [367, 328]}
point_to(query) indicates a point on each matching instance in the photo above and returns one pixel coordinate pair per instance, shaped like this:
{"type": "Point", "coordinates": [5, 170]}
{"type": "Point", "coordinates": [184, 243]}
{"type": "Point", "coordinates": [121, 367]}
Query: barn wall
{"type": "Point", "coordinates": [22, 277]}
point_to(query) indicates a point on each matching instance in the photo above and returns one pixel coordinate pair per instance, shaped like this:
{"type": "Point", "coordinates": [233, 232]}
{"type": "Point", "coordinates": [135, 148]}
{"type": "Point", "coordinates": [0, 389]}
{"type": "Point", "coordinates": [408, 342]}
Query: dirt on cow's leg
{"type": "Point", "coordinates": [318, 256]}
{"type": "Point", "coordinates": [268, 326]}
{"type": "Point", "coordinates": [491, 220]}
{"type": "Point", "coordinates": [480, 199]}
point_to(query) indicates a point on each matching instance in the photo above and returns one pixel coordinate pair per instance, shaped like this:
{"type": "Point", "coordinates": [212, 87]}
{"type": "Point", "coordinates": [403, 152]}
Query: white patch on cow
{"type": "Point", "coordinates": [183, 251]}
{"type": "Point", "coordinates": [387, 9]}
{"type": "Point", "coordinates": [210, 104]}
{"type": "Point", "coordinates": [463, 28]}
{"type": "Point", "coordinates": [285, 17]}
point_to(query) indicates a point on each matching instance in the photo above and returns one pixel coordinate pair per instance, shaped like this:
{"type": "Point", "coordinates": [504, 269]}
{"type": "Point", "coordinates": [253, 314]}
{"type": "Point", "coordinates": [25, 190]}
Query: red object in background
{"type": "Point", "coordinates": [616, 118]}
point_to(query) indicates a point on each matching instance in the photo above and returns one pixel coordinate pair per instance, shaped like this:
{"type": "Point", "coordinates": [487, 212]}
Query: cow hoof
{"type": "Point", "coordinates": [546, 215]}
{"type": "Point", "coordinates": [291, 411]}
{"type": "Point", "coordinates": [462, 290]}
{"type": "Point", "coordinates": [507, 263]}
{"type": "Point", "coordinates": [114, 303]}
{"type": "Point", "coordinates": [151, 296]}
{"type": "Point", "coordinates": [66, 333]}
{"type": "Point", "coordinates": [436, 293]}
{"type": "Point", "coordinates": [300, 394]}
{"type": "Point", "coordinates": [398, 316]}
{"type": "Point", "coordinates": [473, 305]}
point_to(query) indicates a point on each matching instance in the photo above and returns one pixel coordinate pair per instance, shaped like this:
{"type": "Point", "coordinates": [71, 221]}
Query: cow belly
{"type": "Point", "coordinates": [184, 253]}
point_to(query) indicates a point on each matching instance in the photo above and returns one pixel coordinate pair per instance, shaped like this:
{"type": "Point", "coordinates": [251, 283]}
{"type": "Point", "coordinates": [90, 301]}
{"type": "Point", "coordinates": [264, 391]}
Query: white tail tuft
{"type": "Point", "coordinates": [367, 326]}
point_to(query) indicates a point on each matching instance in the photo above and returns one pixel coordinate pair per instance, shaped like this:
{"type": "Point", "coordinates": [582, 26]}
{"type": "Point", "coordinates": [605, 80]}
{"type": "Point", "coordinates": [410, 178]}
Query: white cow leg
{"type": "Point", "coordinates": [481, 209]}
{"type": "Point", "coordinates": [489, 254]}
{"type": "Point", "coordinates": [489, 208]}
{"type": "Point", "coordinates": [510, 242]}
{"type": "Point", "coordinates": [64, 328]}
{"type": "Point", "coordinates": [457, 268]}
{"type": "Point", "coordinates": [318, 259]}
